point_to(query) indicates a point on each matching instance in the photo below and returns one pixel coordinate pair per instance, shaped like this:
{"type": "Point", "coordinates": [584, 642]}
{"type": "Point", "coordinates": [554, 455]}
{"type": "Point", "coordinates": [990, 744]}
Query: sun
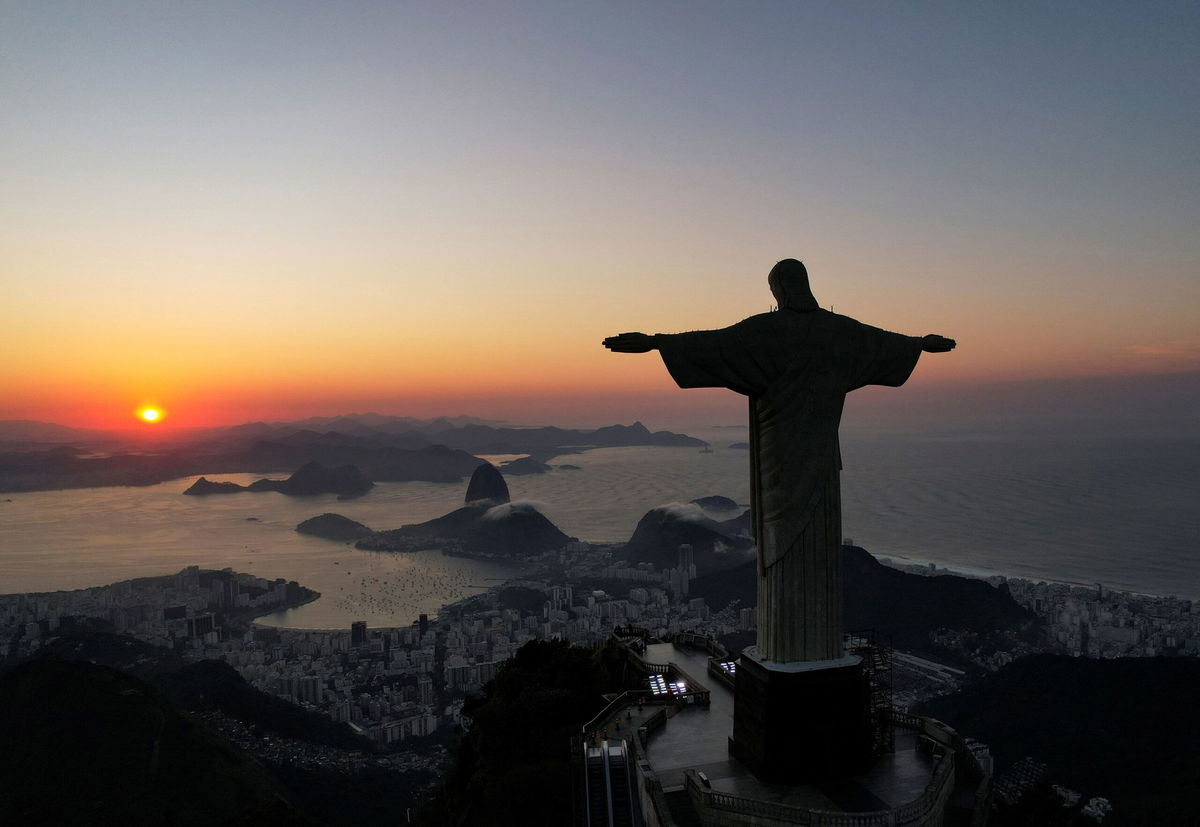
{"type": "Point", "coordinates": [150, 414]}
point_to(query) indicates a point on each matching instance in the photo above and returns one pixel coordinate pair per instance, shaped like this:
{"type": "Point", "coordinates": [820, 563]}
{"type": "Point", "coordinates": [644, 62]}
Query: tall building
{"type": "Point", "coordinates": [358, 633]}
{"type": "Point", "coordinates": [425, 688]}
{"type": "Point", "coordinates": [687, 560]}
{"type": "Point", "coordinates": [561, 597]}
{"type": "Point", "coordinates": [200, 626]}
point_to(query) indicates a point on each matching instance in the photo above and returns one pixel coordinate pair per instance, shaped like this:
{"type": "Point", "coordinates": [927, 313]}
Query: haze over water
{"type": "Point", "coordinates": [1116, 511]}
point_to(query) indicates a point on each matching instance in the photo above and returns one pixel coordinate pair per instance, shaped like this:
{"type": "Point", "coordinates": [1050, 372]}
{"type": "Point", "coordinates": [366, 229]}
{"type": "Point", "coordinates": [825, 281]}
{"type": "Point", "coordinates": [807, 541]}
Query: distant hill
{"type": "Point", "coordinates": [1125, 729]}
{"type": "Point", "coordinates": [486, 439]}
{"type": "Point", "coordinates": [367, 423]}
{"type": "Point", "coordinates": [384, 449]}
{"type": "Point", "coordinates": [378, 462]}
{"type": "Point", "coordinates": [314, 478]}
{"type": "Point", "coordinates": [27, 430]}
{"type": "Point", "coordinates": [65, 467]}
{"type": "Point", "coordinates": [310, 479]}
{"type": "Point", "coordinates": [661, 531]}
{"type": "Point", "coordinates": [901, 607]}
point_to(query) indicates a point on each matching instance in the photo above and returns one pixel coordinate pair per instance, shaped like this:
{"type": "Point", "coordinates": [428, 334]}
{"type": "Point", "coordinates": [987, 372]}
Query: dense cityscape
{"type": "Point", "coordinates": [403, 688]}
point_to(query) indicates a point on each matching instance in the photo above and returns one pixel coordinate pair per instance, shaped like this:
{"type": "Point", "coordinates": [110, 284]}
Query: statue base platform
{"type": "Point", "coordinates": [798, 722]}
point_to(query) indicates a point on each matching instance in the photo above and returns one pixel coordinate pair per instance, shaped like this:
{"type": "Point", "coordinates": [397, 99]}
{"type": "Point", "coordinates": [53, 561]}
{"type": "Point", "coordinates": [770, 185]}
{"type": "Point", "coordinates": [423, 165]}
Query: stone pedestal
{"type": "Point", "coordinates": [794, 723]}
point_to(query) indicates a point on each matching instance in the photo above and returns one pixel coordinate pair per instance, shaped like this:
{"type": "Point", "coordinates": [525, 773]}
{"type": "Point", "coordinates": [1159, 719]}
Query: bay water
{"type": "Point", "coordinates": [1117, 511]}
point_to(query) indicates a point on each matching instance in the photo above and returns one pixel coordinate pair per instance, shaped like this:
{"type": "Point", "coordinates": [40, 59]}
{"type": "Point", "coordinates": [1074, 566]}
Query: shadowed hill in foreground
{"type": "Point", "coordinates": [201, 685]}
{"type": "Point", "coordinates": [323, 790]}
{"type": "Point", "coordinates": [85, 744]}
{"type": "Point", "coordinates": [513, 766]}
{"type": "Point", "coordinates": [1125, 729]}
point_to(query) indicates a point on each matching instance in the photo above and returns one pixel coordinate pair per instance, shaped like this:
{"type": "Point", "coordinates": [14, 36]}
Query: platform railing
{"type": "Point", "coordinates": [934, 798]}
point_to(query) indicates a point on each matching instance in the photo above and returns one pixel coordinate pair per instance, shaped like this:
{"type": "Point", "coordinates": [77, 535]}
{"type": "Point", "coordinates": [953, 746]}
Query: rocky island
{"type": "Point", "coordinates": [487, 525]}
{"type": "Point", "coordinates": [487, 484]}
{"type": "Point", "coordinates": [312, 478]}
{"type": "Point", "coordinates": [524, 465]}
{"type": "Point", "coordinates": [334, 527]}
{"type": "Point", "coordinates": [204, 486]}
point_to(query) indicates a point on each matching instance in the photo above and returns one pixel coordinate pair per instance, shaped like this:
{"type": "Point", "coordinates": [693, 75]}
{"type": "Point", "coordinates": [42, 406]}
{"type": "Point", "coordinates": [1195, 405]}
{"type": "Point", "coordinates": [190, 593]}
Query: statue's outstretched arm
{"type": "Point", "coordinates": [631, 343]}
{"type": "Point", "coordinates": [936, 344]}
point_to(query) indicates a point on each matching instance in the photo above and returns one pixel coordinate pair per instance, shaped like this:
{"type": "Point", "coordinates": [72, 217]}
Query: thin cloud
{"type": "Point", "coordinates": [1174, 353]}
{"type": "Point", "coordinates": [499, 511]}
{"type": "Point", "coordinates": [683, 511]}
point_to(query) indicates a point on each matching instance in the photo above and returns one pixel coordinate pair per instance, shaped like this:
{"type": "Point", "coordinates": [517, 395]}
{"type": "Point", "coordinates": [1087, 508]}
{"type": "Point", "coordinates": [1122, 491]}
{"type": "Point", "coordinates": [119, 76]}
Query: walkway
{"type": "Point", "coordinates": [698, 738]}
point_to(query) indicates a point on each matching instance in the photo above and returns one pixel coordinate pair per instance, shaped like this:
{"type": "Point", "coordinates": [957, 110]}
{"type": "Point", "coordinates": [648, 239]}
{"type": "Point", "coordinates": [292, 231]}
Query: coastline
{"type": "Point", "coordinates": [914, 566]}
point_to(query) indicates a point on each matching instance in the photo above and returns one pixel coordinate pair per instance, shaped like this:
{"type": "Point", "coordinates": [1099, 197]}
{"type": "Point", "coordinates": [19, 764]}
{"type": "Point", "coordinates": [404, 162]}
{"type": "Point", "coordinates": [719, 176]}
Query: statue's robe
{"type": "Point", "coordinates": [796, 368]}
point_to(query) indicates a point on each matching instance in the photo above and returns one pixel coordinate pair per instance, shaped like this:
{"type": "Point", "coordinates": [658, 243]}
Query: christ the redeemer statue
{"type": "Point", "coordinates": [796, 365]}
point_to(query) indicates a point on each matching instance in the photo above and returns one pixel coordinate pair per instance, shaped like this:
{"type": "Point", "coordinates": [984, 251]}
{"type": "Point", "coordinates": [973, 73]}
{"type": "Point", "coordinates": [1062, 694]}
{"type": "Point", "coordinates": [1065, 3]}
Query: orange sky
{"type": "Point", "coordinates": [422, 214]}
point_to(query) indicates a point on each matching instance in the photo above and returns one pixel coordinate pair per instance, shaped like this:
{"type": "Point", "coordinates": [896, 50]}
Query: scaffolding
{"type": "Point", "coordinates": [877, 666]}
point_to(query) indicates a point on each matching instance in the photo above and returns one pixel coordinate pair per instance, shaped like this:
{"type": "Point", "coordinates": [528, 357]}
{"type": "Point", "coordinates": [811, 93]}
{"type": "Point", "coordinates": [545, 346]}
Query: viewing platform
{"type": "Point", "coordinates": [683, 774]}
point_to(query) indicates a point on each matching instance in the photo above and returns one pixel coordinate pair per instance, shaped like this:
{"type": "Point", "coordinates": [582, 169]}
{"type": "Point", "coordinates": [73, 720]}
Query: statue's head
{"type": "Point", "coordinates": [789, 285]}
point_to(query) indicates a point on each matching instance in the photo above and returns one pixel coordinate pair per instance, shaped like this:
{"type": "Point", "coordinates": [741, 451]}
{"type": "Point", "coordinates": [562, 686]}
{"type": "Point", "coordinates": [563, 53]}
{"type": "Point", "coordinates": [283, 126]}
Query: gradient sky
{"type": "Point", "coordinates": [270, 210]}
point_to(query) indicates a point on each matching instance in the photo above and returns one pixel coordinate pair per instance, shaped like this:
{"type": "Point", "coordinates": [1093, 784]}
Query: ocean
{"type": "Point", "coordinates": [1122, 512]}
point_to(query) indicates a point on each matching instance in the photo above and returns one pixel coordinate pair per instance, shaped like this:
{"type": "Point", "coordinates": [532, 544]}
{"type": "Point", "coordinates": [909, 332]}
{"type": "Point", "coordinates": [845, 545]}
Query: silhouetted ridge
{"type": "Point", "coordinates": [203, 487]}
{"type": "Point", "coordinates": [314, 478]}
{"type": "Point", "coordinates": [310, 479]}
{"type": "Point", "coordinates": [384, 449]}
{"type": "Point", "coordinates": [549, 440]}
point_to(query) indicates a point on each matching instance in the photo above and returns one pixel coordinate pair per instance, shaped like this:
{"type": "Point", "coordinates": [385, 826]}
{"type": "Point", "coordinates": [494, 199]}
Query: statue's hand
{"type": "Point", "coordinates": [630, 343]}
{"type": "Point", "coordinates": [937, 344]}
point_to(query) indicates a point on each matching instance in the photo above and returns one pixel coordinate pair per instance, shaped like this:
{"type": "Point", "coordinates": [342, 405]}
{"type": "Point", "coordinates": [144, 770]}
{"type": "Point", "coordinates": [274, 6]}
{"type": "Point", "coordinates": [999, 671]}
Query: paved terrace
{"type": "Point", "coordinates": [697, 737]}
